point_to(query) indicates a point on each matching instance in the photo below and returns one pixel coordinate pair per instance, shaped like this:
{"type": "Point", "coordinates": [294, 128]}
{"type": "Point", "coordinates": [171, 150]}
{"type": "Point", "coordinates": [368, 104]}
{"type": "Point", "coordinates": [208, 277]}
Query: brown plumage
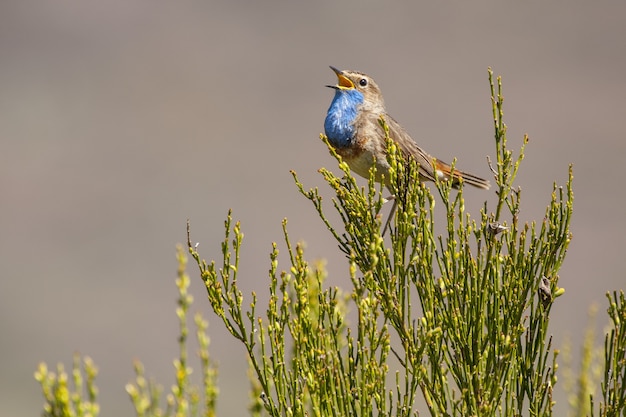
{"type": "Point", "coordinates": [353, 128]}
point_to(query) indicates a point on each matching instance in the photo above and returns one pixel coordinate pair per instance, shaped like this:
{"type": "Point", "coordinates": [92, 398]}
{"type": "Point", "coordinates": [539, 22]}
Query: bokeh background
{"type": "Point", "coordinates": [119, 120]}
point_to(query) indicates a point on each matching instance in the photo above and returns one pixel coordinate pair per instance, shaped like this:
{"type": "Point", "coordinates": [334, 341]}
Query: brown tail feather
{"type": "Point", "coordinates": [444, 169]}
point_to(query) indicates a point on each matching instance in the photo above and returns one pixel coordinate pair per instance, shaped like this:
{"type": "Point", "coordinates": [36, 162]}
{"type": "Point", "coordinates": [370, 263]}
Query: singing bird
{"type": "Point", "coordinates": [353, 128]}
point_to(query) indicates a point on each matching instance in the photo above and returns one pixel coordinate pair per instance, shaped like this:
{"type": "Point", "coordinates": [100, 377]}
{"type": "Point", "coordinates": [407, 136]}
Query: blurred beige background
{"type": "Point", "coordinates": [121, 119]}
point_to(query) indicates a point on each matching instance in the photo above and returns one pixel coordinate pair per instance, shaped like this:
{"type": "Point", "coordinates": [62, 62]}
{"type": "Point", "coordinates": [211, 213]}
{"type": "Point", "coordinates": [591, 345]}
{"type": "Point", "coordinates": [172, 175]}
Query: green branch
{"type": "Point", "coordinates": [445, 323]}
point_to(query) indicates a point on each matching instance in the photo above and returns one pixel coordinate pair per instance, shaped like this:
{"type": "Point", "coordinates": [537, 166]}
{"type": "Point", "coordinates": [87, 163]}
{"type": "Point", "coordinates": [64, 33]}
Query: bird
{"type": "Point", "coordinates": [353, 128]}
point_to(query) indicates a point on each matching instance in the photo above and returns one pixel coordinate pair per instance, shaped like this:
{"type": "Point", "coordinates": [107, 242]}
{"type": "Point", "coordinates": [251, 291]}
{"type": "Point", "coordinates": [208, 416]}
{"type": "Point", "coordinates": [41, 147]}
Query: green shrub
{"type": "Point", "coordinates": [454, 324]}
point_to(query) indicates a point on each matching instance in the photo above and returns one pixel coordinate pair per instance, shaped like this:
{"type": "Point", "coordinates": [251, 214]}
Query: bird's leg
{"type": "Point", "coordinates": [391, 213]}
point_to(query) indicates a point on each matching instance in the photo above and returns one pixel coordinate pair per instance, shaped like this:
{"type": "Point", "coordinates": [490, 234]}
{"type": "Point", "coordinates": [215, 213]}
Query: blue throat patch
{"type": "Point", "coordinates": [339, 123]}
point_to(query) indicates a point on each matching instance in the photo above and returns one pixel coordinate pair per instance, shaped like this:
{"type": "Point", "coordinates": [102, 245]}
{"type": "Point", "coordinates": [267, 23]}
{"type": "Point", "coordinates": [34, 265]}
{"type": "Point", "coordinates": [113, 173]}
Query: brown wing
{"type": "Point", "coordinates": [429, 166]}
{"type": "Point", "coordinates": [408, 146]}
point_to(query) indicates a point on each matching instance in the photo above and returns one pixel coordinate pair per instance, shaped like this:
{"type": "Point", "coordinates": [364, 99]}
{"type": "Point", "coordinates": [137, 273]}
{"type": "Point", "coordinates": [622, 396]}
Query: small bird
{"type": "Point", "coordinates": [353, 129]}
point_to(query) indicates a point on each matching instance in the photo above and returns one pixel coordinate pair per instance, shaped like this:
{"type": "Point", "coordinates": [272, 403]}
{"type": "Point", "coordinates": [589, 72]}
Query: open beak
{"type": "Point", "coordinates": [343, 82]}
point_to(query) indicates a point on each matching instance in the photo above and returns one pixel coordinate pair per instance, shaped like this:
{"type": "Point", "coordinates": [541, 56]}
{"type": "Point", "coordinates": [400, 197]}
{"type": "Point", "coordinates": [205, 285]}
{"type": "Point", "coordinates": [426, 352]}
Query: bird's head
{"type": "Point", "coordinates": [357, 83]}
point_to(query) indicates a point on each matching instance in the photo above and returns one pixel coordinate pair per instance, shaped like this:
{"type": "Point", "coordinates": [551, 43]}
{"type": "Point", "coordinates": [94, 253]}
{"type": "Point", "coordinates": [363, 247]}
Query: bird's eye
{"type": "Point", "coordinates": [363, 82]}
